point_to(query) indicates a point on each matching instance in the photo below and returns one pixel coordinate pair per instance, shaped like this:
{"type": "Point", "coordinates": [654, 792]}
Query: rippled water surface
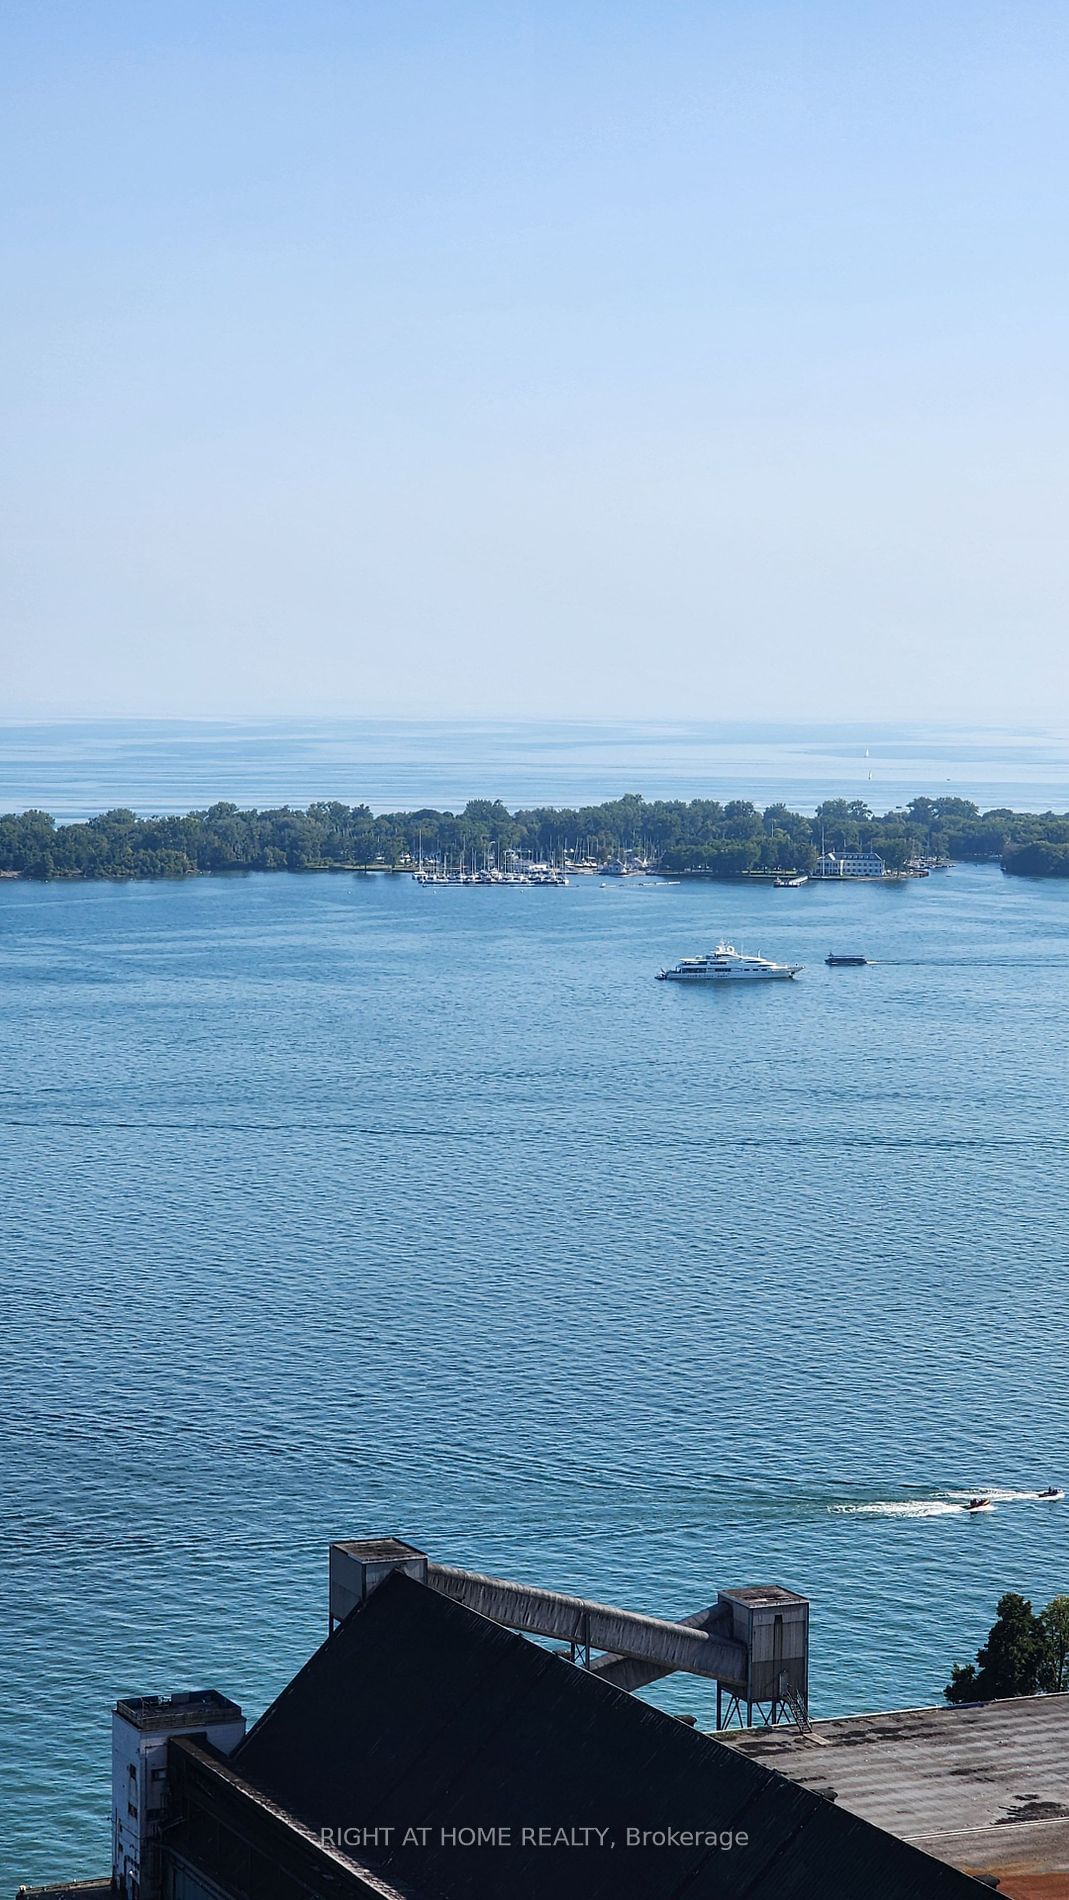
{"type": "Point", "coordinates": [80, 767]}
{"type": "Point", "coordinates": [335, 1206]}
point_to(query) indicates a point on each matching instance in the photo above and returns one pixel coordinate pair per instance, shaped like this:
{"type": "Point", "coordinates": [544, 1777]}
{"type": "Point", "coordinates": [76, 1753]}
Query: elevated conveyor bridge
{"type": "Point", "coordinates": [752, 1642]}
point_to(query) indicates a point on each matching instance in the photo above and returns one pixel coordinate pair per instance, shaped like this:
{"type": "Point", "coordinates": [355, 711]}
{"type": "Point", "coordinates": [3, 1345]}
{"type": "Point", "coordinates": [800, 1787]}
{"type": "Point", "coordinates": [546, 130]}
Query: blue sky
{"type": "Point", "coordinates": [504, 359]}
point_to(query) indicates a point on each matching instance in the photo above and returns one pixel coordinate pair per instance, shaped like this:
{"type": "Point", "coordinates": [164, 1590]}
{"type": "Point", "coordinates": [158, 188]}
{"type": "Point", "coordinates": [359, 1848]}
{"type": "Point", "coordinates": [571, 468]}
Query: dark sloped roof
{"type": "Point", "coordinates": [418, 1713]}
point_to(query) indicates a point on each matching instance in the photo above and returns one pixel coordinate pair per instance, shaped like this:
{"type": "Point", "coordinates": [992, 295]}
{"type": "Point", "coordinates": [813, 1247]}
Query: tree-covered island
{"type": "Point", "coordinates": [699, 837]}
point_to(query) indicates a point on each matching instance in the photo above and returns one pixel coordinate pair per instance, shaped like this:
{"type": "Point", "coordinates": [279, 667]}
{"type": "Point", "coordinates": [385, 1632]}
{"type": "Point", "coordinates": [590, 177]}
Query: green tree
{"type": "Point", "coordinates": [1037, 860]}
{"type": "Point", "coordinates": [895, 851]}
{"type": "Point", "coordinates": [1054, 1622]}
{"type": "Point", "coordinates": [1011, 1662]}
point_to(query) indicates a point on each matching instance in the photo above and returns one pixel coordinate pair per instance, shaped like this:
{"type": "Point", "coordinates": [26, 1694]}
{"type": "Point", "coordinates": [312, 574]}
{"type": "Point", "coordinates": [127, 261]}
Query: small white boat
{"type": "Point", "coordinates": [725, 964]}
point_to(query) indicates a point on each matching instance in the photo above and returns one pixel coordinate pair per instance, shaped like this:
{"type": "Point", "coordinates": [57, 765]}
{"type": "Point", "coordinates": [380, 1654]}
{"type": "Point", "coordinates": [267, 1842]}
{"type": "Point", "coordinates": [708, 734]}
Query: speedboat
{"type": "Point", "coordinates": [978, 1504]}
{"type": "Point", "coordinates": [835, 962]}
{"type": "Point", "coordinates": [726, 964]}
{"type": "Point", "coordinates": [1051, 1493]}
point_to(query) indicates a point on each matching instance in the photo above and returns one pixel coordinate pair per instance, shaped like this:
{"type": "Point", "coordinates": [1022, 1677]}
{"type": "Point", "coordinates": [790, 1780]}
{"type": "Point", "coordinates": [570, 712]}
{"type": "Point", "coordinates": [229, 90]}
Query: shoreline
{"type": "Point", "coordinates": [843, 841]}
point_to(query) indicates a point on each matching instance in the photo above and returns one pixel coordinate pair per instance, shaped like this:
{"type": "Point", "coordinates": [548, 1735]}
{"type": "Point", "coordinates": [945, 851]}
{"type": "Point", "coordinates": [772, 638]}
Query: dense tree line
{"type": "Point", "coordinates": [696, 835]}
{"type": "Point", "coordinates": [1043, 858]}
{"type": "Point", "coordinates": [1025, 1654]}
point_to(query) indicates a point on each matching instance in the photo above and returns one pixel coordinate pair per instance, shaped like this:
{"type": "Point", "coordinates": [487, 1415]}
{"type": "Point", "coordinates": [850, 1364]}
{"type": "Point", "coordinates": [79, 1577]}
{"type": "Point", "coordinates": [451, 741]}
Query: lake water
{"type": "Point", "coordinates": [337, 1206]}
{"type": "Point", "coordinates": [75, 769]}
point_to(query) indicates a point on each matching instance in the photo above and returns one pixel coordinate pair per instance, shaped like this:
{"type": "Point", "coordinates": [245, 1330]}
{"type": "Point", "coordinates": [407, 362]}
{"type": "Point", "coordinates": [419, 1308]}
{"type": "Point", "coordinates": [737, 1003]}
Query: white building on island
{"type": "Point", "coordinates": [851, 864]}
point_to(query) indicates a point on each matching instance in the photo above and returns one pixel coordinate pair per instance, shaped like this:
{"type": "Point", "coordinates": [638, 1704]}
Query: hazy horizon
{"type": "Point", "coordinates": [623, 361]}
{"type": "Point", "coordinates": [78, 768]}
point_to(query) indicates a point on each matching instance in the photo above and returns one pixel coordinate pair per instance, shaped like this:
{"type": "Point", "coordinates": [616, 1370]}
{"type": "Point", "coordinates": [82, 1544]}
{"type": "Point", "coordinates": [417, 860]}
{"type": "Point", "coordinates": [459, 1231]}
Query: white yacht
{"type": "Point", "coordinates": [725, 964]}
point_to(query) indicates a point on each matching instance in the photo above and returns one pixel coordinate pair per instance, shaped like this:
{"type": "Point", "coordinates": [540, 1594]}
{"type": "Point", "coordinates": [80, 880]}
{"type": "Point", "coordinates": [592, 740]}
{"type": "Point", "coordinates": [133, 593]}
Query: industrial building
{"type": "Point", "coordinates": [430, 1751]}
{"type": "Point", "coordinates": [984, 1787]}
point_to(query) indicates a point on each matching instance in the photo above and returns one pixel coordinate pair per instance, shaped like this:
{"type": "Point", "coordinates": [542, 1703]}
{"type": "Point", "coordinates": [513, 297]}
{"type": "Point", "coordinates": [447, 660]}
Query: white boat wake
{"type": "Point", "coordinates": [951, 1504]}
{"type": "Point", "coordinates": [919, 1507]}
{"type": "Point", "coordinates": [999, 1494]}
